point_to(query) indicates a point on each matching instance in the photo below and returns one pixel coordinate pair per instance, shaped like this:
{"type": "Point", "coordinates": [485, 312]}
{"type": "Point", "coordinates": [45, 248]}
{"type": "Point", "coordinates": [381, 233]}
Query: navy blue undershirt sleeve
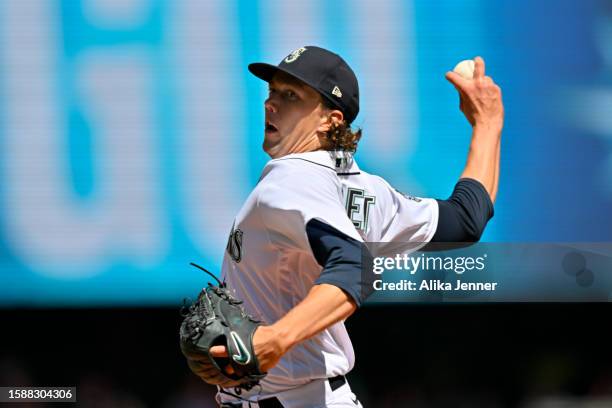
{"type": "Point", "coordinates": [341, 259]}
{"type": "Point", "coordinates": [464, 215]}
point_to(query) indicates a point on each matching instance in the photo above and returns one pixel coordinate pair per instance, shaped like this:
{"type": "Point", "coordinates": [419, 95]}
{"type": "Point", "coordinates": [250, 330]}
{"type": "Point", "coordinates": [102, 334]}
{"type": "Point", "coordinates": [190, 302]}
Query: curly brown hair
{"type": "Point", "coordinates": [340, 136]}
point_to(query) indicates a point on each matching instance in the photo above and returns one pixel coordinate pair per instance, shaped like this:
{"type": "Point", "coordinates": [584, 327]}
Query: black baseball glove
{"type": "Point", "coordinates": [217, 318]}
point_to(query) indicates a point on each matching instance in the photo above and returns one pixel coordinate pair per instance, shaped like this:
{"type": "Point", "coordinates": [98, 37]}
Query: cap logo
{"type": "Point", "coordinates": [336, 92]}
{"type": "Point", "coordinates": [295, 55]}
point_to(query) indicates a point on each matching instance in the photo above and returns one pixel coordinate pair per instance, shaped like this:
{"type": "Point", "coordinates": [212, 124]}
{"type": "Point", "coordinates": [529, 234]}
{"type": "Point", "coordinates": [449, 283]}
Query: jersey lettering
{"type": "Point", "coordinates": [358, 207]}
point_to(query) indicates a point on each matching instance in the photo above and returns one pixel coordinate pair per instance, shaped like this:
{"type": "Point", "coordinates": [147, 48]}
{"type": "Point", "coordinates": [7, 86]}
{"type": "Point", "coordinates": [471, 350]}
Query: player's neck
{"type": "Point", "coordinates": [304, 145]}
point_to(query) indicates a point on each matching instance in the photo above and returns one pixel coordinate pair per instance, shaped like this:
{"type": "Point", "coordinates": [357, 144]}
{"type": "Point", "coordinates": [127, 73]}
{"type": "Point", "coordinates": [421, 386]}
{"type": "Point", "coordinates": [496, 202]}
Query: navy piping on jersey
{"type": "Point", "coordinates": [341, 259]}
{"type": "Point", "coordinates": [464, 215]}
{"type": "Point", "coordinates": [319, 164]}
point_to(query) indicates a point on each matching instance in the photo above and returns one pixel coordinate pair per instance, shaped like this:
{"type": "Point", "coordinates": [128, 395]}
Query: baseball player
{"type": "Point", "coordinates": [294, 255]}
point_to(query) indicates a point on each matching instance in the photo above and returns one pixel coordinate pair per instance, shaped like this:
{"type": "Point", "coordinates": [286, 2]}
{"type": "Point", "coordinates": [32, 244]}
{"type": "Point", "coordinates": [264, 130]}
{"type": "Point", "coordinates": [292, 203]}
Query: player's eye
{"type": "Point", "coordinates": [290, 95]}
{"type": "Point", "coordinates": [286, 94]}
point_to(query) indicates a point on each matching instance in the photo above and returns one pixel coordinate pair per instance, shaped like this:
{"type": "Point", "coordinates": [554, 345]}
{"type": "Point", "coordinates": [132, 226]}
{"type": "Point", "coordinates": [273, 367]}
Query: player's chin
{"type": "Point", "coordinates": [271, 141]}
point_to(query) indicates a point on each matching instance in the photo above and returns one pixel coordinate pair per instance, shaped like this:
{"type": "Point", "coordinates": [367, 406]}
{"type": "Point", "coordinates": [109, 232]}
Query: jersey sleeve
{"type": "Point", "coordinates": [294, 193]}
{"type": "Point", "coordinates": [465, 214]}
{"type": "Point", "coordinates": [408, 219]}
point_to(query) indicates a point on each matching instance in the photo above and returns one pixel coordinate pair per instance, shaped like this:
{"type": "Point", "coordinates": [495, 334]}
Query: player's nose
{"type": "Point", "coordinates": [270, 105]}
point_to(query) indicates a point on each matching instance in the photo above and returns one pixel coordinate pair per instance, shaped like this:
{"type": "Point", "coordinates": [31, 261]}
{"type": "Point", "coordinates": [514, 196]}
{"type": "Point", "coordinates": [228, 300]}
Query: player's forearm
{"type": "Point", "coordinates": [483, 157]}
{"type": "Point", "coordinates": [323, 306]}
{"type": "Point", "coordinates": [497, 164]}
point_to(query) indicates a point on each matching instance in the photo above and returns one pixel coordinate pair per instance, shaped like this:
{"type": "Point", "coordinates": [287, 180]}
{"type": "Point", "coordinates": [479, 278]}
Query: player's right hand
{"type": "Point", "coordinates": [480, 97]}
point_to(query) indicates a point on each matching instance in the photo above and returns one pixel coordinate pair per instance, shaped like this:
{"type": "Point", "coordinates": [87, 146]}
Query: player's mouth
{"type": "Point", "coordinates": [270, 128]}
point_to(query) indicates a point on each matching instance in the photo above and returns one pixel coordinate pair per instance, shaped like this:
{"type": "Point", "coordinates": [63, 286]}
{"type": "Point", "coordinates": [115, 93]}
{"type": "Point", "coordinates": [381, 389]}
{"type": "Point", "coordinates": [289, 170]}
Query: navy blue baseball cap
{"type": "Point", "coordinates": [322, 70]}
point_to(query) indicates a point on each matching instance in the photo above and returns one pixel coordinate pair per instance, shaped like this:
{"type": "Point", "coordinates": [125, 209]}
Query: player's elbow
{"type": "Point", "coordinates": [463, 217]}
{"type": "Point", "coordinates": [474, 229]}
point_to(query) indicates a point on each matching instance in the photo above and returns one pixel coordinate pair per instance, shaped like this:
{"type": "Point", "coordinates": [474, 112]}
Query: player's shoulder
{"type": "Point", "coordinates": [297, 177]}
{"type": "Point", "coordinates": [376, 180]}
{"type": "Point", "coordinates": [386, 193]}
{"type": "Point", "coordinates": [376, 183]}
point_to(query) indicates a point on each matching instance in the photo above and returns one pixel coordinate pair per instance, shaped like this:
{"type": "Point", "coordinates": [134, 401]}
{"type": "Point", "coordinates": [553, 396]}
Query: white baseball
{"type": "Point", "coordinates": [465, 68]}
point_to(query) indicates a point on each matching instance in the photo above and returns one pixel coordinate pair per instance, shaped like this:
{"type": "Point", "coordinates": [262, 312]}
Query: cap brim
{"type": "Point", "coordinates": [267, 71]}
{"type": "Point", "coordinates": [263, 71]}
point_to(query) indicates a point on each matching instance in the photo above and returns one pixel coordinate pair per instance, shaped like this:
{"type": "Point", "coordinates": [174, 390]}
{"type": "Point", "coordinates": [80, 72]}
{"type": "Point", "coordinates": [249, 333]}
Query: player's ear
{"type": "Point", "coordinates": [332, 117]}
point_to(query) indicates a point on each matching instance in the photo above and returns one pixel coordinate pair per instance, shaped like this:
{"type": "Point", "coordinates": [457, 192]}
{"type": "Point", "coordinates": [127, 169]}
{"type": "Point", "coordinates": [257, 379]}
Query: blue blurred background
{"type": "Point", "coordinates": [131, 131]}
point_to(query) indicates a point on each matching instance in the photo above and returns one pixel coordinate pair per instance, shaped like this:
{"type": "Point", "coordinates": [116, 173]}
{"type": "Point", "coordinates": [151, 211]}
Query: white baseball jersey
{"type": "Point", "coordinates": [269, 262]}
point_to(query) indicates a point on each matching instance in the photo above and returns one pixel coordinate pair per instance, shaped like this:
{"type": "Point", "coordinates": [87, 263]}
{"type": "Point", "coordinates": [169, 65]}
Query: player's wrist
{"type": "Point", "coordinates": [489, 124]}
{"type": "Point", "coordinates": [283, 336]}
{"type": "Point", "coordinates": [486, 135]}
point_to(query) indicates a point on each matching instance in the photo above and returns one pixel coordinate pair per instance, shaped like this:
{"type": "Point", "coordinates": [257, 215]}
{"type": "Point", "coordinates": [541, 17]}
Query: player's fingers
{"type": "Point", "coordinates": [457, 80]}
{"type": "Point", "coordinates": [218, 351]}
{"type": "Point", "coordinates": [479, 68]}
